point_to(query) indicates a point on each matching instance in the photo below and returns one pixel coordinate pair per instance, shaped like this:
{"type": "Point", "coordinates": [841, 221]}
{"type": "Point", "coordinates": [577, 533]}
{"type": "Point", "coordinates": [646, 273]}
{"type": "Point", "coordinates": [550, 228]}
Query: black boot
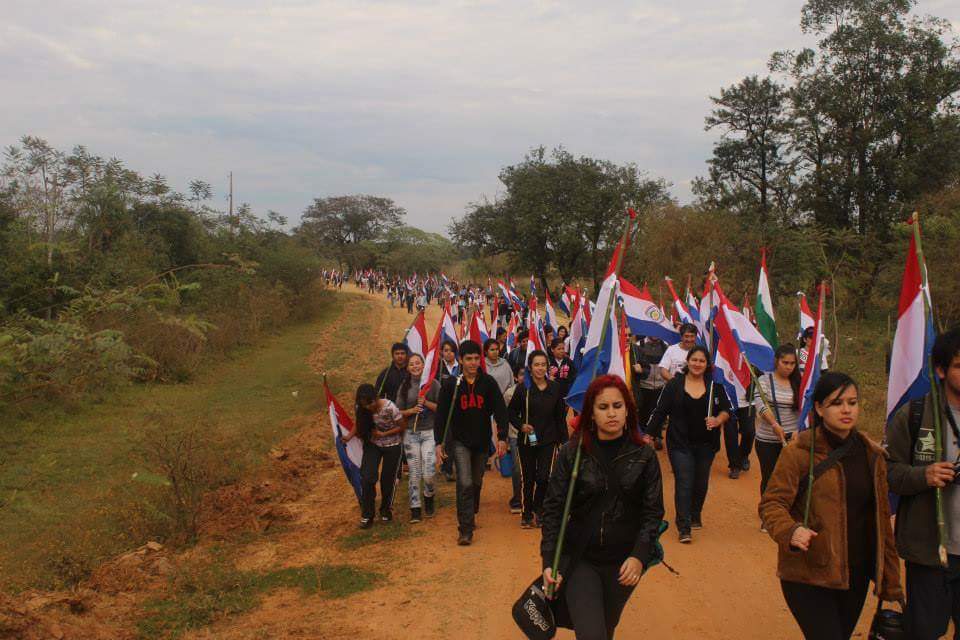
{"type": "Point", "coordinates": [428, 506]}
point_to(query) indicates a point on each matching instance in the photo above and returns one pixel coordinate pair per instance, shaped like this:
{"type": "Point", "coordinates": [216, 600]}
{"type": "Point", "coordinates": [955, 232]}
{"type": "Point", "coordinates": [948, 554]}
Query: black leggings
{"type": "Point", "coordinates": [827, 614]}
{"type": "Point", "coordinates": [369, 465]}
{"type": "Point", "coordinates": [535, 467]}
{"type": "Point", "coordinates": [595, 599]}
{"type": "Point", "coordinates": [767, 453]}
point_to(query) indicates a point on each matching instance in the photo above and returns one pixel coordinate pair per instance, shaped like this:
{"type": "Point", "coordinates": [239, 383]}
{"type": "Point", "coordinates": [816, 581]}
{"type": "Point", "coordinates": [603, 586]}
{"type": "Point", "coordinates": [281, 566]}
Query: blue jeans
{"type": "Point", "coordinates": [420, 449]}
{"type": "Point", "coordinates": [691, 471]}
{"type": "Point", "coordinates": [470, 465]}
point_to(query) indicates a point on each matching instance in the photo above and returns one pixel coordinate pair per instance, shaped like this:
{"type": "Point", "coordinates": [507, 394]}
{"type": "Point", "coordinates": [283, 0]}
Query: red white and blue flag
{"type": "Point", "coordinates": [811, 373]}
{"type": "Point", "coordinates": [579, 327]}
{"type": "Point", "coordinates": [806, 316]}
{"type": "Point", "coordinates": [913, 340]}
{"type": "Point", "coordinates": [751, 341]}
{"type": "Point", "coordinates": [416, 338]}
{"type": "Point", "coordinates": [643, 315]}
{"type": "Point", "coordinates": [350, 453]}
{"type": "Point", "coordinates": [683, 312]}
{"type": "Point", "coordinates": [600, 357]}
{"type": "Point", "coordinates": [449, 329]}
{"type": "Point", "coordinates": [551, 315]}
{"type": "Point", "coordinates": [730, 368]}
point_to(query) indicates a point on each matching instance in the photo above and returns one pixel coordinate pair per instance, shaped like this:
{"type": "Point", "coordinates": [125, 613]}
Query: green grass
{"type": "Point", "coordinates": [202, 595]}
{"type": "Point", "coordinates": [61, 473]}
{"type": "Point", "coordinates": [378, 534]}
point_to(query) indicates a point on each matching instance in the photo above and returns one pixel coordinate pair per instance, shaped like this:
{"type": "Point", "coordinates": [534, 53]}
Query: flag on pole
{"type": "Point", "coordinates": [766, 322]}
{"type": "Point", "coordinates": [683, 313]}
{"type": "Point", "coordinates": [578, 335]}
{"type": "Point", "coordinates": [806, 316]}
{"type": "Point", "coordinates": [644, 316]}
{"type": "Point", "coordinates": [416, 336]}
{"type": "Point", "coordinates": [512, 332]}
{"type": "Point", "coordinates": [693, 305]}
{"type": "Point", "coordinates": [449, 329]}
{"type": "Point", "coordinates": [551, 315]}
{"type": "Point", "coordinates": [608, 355]}
{"type": "Point", "coordinates": [811, 373]}
{"type": "Point", "coordinates": [913, 339]}
{"type": "Point", "coordinates": [730, 367]}
{"type": "Point", "coordinates": [431, 362]}
{"type": "Point", "coordinates": [350, 453]}
{"type": "Point", "coordinates": [749, 339]}
{"type": "Point", "coordinates": [564, 301]}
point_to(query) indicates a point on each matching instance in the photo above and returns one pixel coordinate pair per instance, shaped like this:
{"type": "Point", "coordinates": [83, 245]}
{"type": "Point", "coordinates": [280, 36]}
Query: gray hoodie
{"type": "Point", "coordinates": [501, 372]}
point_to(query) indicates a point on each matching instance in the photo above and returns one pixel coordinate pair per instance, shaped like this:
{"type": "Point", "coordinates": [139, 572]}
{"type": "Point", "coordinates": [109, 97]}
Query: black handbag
{"type": "Point", "coordinates": [887, 625]}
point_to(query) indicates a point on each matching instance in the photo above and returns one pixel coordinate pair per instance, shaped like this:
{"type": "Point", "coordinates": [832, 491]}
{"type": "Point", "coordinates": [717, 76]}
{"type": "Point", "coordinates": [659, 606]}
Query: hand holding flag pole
{"type": "Point", "coordinates": [935, 397]}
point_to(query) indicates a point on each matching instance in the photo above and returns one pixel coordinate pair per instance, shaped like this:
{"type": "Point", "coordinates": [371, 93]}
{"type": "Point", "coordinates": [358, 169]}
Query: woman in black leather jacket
{"type": "Point", "coordinates": [615, 515]}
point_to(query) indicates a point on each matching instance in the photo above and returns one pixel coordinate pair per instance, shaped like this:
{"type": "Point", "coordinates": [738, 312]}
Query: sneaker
{"type": "Point", "coordinates": [465, 539]}
{"type": "Point", "coordinates": [658, 443]}
{"type": "Point", "coordinates": [745, 465]}
{"type": "Point", "coordinates": [366, 523]}
{"type": "Point", "coordinates": [685, 537]}
{"type": "Point", "coordinates": [515, 508]}
{"type": "Point", "coordinates": [696, 523]}
{"type": "Point", "coordinates": [734, 473]}
{"type": "Point", "coordinates": [526, 522]}
{"type": "Point", "coordinates": [415, 515]}
{"type": "Point", "coordinates": [429, 508]}
{"type": "Point", "coordinates": [386, 516]}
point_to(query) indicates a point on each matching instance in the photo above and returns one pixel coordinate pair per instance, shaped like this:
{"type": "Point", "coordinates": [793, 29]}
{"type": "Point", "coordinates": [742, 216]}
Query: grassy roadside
{"type": "Point", "coordinates": [60, 473]}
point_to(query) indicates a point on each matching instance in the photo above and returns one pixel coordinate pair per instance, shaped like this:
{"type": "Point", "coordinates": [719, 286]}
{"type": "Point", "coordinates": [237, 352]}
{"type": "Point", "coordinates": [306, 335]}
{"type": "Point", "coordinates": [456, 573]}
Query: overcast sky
{"type": "Point", "coordinates": [423, 102]}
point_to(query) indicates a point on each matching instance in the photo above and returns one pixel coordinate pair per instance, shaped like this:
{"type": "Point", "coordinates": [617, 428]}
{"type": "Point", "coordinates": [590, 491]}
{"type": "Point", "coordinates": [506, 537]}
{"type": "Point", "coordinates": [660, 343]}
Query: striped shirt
{"type": "Point", "coordinates": [784, 412]}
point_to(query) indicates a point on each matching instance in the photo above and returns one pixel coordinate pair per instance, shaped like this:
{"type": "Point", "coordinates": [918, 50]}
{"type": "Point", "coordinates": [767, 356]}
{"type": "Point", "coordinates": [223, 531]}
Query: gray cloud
{"type": "Point", "coordinates": [420, 101]}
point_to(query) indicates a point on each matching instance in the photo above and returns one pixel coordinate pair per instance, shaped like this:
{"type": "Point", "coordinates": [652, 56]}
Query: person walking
{"type": "Point", "coordinates": [537, 412]}
{"type": "Point", "coordinates": [739, 433]}
{"type": "Point", "coordinates": [825, 564]}
{"type": "Point", "coordinates": [616, 512]}
{"type": "Point", "coordinates": [675, 357]}
{"type": "Point", "coordinates": [497, 367]}
{"type": "Point", "coordinates": [388, 382]}
{"type": "Point", "coordinates": [560, 367]}
{"type": "Point", "coordinates": [419, 446]}
{"type": "Point", "coordinates": [470, 402]}
{"type": "Point", "coordinates": [914, 474]}
{"type": "Point", "coordinates": [779, 420]}
{"type": "Point", "coordinates": [380, 424]}
{"type": "Point", "coordinates": [646, 353]}
{"type": "Point", "coordinates": [516, 501]}
{"type": "Point", "coordinates": [693, 438]}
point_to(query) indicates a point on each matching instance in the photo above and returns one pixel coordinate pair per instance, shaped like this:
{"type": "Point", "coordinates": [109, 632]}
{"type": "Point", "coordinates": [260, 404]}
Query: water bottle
{"type": "Point", "coordinates": [532, 438]}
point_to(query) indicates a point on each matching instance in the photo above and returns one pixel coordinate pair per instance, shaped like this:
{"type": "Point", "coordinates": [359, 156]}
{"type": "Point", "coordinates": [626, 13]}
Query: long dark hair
{"type": "Point", "coordinates": [585, 425]}
{"type": "Point", "coordinates": [407, 380]}
{"type": "Point", "coordinates": [708, 372]}
{"type": "Point", "coordinates": [795, 377]}
{"type": "Point", "coordinates": [365, 395]}
{"type": "Point", "coordinates": [830, 382]}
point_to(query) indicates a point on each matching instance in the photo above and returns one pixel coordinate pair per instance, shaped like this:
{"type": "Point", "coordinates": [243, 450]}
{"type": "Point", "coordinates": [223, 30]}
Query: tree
{"type": "Point", "coordinates": [200, 191]}
{"type": "Point", "coordinates": [559, 211]}
{"type": "Point", "coordinates": [875, 110]}
{"type": "Point", "coordinates": [748, 161]}
{"type": "Point", "coordinates": [332, 224]}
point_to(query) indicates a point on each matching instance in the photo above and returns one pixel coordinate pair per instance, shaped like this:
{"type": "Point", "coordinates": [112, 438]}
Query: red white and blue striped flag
{"type": "Point", "coordinates": [350, 453]}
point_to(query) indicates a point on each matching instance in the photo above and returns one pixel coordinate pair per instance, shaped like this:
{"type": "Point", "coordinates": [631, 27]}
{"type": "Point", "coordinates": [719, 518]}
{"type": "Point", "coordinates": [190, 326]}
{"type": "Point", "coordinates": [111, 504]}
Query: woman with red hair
{"type": "Point", "coordinates": [615, 515]}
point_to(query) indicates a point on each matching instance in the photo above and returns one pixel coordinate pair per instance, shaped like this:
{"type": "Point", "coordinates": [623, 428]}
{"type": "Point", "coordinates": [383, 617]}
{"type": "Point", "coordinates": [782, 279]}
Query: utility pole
{"type": "Point", "coordinates": [232, 221]}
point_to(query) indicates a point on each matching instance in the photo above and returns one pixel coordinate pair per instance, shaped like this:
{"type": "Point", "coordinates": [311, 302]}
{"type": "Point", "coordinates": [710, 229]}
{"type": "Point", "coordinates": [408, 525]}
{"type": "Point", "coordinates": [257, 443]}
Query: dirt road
{"type": "Point", "coordinates": [726, 588]}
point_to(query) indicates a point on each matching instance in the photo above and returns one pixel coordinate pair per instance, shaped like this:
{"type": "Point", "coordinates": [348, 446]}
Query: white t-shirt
{"type": "Point", "coordinates": [674, 359]}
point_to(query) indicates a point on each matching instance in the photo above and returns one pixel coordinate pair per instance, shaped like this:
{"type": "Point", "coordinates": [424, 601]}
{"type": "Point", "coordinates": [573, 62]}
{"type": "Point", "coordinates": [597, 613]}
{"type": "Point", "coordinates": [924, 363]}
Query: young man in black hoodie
{"type": "Point", "coordinates": [389, 380]}
{"type": "Point", "coordinates": [470, 401]}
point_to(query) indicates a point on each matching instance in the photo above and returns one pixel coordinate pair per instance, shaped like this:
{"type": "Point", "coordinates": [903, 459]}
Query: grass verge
{"type": "Point", "coordinates": [61, 472]}
{"type": "Point", "coordinates": [203, 595]}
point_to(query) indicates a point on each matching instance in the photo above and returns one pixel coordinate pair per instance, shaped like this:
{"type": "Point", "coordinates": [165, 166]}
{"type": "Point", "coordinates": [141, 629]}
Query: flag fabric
{"type": "Point", "coordinates": [708, 306]}
{"type": "Point", "coordinates": [350, 453]}
{"type": "Point", "coordinates": [624, 349]}
{"type": "Point", "coordinates": [753, 345]}
{"type": "Point", "coordinates": [512, 332]}
{"type": "Point", "coordinates": [806, 316]}
{"type": "Point", "coordinates": [693, 306]}
{"type": "Point", "coordinates": [683, 313]}
{"type": "Point", "coordinates": [730, 367]}
{"type": "Point", "coordinates": [533, 285]}
{"type": "Point", "coordinates": [811, 373]}
{"type": "Point", "coordinates": [449, 330]}
{"type": "Point", "coordinates": [551, 315]}
{"type": "Point", "coordinates": [763, 310]}
{"type": "Point", "coordinates": [600, 357]}
{"type": "Point", "coordinates": [913, 339]}
{"type": "Point", "coordinates": [644, 316]}
{"type": "Point", "coordinates": [416, 337]}
{"type": "Point", "coordinates": [578, 335]}
{"type": "Point", "coordinates": [564, 301]}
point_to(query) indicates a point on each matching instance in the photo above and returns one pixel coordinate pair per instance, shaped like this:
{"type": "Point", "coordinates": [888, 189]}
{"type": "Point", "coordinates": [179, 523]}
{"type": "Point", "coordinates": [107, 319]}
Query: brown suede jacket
{"type": "Point", "coordinates": [825, 564]}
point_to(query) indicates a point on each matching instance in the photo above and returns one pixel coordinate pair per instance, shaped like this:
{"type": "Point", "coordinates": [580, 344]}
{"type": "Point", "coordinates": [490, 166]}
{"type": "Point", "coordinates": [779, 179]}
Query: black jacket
{"type": "Point", "coordinates": [472, 409]}
{"type": "Point", "coordinates": [671, 405]}
{"type": "Point", "coordinates": [563, 372]}
{"type": "Point", "coordinates": [388, 382]}
{"type": "Point", "coordinates": [632, 522]}
{"type": "Point", "coordinates": [547, 413]}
